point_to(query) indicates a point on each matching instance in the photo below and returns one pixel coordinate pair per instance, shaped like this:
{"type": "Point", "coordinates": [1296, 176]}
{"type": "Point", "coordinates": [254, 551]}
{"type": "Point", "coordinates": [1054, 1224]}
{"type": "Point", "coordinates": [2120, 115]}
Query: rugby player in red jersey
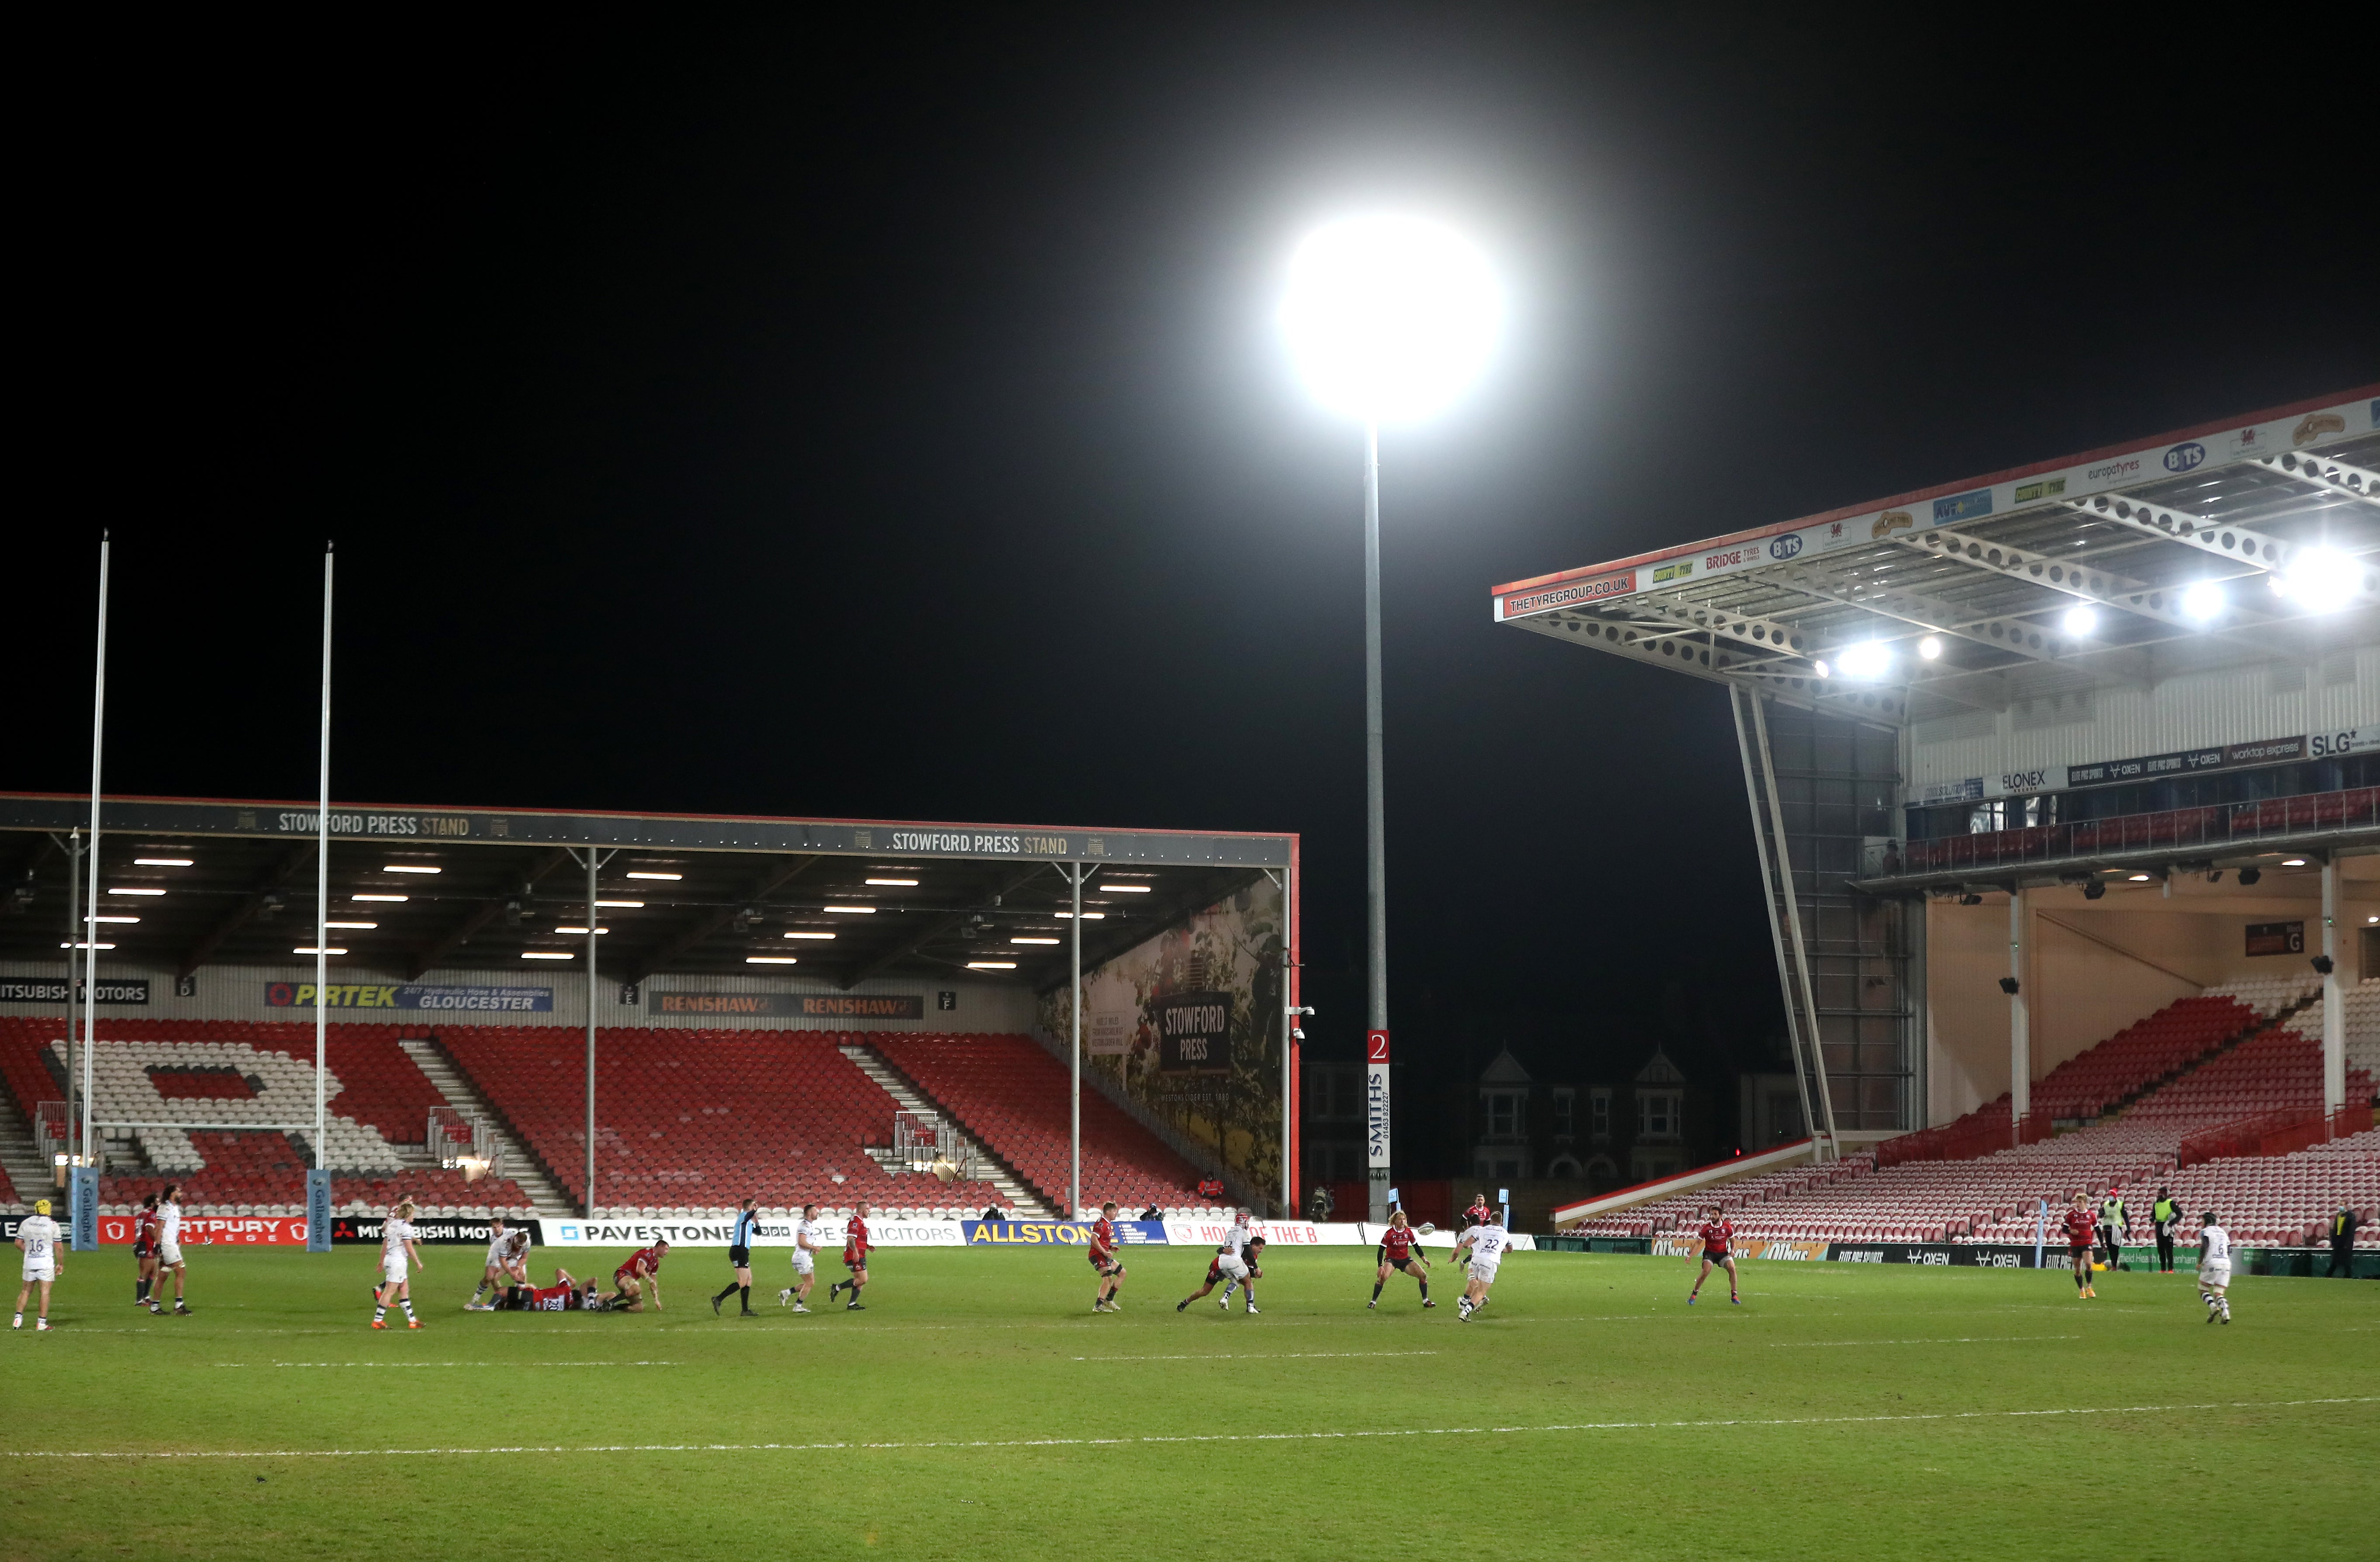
{"type": "Point", "coordinates": [640, 1276]}
{"type": "Point", "coordinates": [1399, 1253]}
{"type": "Point", "coordinates": [2082, 1234]}
{"type": "Point", "coordinates": [855, 1258]}
{"type": "Point", "coordinates": [1104, 1262]}
{"type": "Point", "coordinates": [144, 1249]}
{"type": "Point", "coordinates": [564, 1295]}
{"type": "Point", "coordinates": [1719, 1237]}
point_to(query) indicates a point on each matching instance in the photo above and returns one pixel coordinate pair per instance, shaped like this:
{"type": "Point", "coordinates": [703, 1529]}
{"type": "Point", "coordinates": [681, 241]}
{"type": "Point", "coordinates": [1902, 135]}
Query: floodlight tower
{"type": "Point", "coordinates": [1389, 317]}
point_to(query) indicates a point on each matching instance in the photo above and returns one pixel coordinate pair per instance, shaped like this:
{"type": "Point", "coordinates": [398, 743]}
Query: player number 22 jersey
{"type": "Point", "coordinates": [1487, 1242]}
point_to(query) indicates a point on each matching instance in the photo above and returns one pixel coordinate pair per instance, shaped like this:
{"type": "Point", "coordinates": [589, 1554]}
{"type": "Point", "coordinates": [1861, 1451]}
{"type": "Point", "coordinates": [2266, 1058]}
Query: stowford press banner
{"type": "Point", "coordinates": [425, 996]}
{"type": "Point", "coordinates": [1188, 1025]}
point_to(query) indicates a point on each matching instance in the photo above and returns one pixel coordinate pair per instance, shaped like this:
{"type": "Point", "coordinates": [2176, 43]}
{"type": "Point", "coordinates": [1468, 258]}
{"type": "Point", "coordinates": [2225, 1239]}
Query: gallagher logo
{"type": "Point", "coordinates": [2182, 457]}
{"type": "Point", "coordinates": [1786, 546]}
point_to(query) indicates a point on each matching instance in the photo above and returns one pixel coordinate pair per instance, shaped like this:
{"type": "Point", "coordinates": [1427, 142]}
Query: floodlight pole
{"type": "Point", "coordinates": [1075, 1096]}
{"type": "Point", "coordinates": [323, 880]}
{"type": "Point", "coordinates": [1376, 891]}
{"type": "Point", "coordinates": [593, 859]}
{"type": "Point", "coordinates": [87, 934]}
{"type": "Point", "coordinates": [74, 924]}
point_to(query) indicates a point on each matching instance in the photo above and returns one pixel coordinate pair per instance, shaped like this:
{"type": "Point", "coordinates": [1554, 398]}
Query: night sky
{"type": "Point", "coordinates": [891, 422]}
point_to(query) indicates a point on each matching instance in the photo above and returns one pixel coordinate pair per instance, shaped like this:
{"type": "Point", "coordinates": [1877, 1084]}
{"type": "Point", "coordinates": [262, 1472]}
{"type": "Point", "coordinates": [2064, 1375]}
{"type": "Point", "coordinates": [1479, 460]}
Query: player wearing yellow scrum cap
{"type": "Point", "coordinates": [37, 1239]}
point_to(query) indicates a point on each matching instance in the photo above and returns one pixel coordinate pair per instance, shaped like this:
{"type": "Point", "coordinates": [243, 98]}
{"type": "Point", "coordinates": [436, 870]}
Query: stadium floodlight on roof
{"type": "Point", "coordinates": [2056, 616]}
{"type": "Point", "coordinates": [2110, 569]}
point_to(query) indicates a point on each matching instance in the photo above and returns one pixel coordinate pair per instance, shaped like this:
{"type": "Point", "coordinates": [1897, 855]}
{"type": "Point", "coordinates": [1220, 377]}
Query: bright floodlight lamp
{"type": "Point", "coordinates": [1389, 320]}
{"type": "Point", "coordinates": [1930, 647]}
{"type": "Point", "coordinates": [1868, 659]}
{"type": "Point", "coordinates": [2080, 619]}
{"type": "Point", "coordinates": [1389, 317]}
{"type": "Point", "coordinates": [2319, 579]}
{"type": "Point", "coordinates": [2203, 601]}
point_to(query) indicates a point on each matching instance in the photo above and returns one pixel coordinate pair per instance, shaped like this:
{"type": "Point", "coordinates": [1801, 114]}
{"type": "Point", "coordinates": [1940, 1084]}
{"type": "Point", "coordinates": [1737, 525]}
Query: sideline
{"type": "Point", "coordinates": [1187, 1437]}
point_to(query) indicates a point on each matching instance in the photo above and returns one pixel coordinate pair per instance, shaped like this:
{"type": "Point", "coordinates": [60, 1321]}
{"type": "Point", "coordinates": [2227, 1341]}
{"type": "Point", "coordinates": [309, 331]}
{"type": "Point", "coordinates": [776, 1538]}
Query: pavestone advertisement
{"type": "Point", "coordinates": [1188, 1025]}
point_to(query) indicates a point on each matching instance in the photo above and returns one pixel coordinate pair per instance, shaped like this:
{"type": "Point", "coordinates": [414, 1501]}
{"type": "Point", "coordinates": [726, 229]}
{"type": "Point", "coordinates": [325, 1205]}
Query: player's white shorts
{"type": "Point", "coordinates": [1230, 1267]}
{"type": "Point", "coordinates": [42, 1271]}
{"type": "Point", "coordinates": [805, 1262]}
{"type": "Point", "coordinates": [393, 1270]}
{"type": "Point", "coordinates": [2214, 1275]}
{"type": "Point", "coordinates": [169, 1253]}
{"type": "Point", "coordinates": [1484, 1273]}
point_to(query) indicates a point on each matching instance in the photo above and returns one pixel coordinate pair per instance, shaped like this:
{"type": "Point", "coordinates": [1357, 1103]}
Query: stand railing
{"type": "Point", "coordinates": [2216, 826]}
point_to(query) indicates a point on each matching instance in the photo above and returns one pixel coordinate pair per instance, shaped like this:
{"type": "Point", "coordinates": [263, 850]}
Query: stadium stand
{"type": "Point", "coordinates": [2242, 1052]}
{"type": "Point", "coordinates": [1012, 1095]}
{"type": "Point", "coordinates": [236, 1071]}
{"type": "Point", "coordinates": [698, 1119]}
{"type": "Point", "coordinates": [2364, 1026]}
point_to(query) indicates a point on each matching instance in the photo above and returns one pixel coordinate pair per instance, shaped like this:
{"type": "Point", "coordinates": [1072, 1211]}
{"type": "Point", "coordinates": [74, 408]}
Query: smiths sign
{"type": "Point", "coordinates": [1193, 1031]}
{"type": "Point", "coordinates": [807, 1006]}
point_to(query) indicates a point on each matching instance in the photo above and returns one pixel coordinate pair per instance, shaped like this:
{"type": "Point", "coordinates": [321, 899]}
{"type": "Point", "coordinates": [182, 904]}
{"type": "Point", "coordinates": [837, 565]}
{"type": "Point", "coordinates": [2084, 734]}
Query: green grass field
{"type": "Point", "coordinates": [978, 1409]}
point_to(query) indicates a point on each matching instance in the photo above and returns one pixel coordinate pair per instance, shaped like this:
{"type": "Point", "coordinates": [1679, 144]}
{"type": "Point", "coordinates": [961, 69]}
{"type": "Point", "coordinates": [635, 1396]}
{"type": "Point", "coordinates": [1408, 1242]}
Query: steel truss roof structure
{"type": "Point", "coordinates": [477, 888]}
{"type": "Point", "coordinates": [1985, 573]}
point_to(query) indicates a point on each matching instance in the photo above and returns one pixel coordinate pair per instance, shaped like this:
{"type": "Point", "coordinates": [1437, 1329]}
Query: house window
{"type": "Point", "coordinates": [1599, 1105]}
{"type": "Point", "coordinates": [1503, 1114]}
{"type": "Point", "coordinates": [1565, 1113]}
{"type": "Point", "coordinates": [1656, 1114]}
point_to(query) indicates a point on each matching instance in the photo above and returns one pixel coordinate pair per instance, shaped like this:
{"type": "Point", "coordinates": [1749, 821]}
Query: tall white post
{"type": "Point", "coordinates": [2334, 994]}
{"type": "Point", "coordinates": [323, 883]}
{"type": "Point", "coordinates": [88, 933]}
{"type": "Point", "coordinates": [1075, 1096]}
{"type": "Point", "coordinates": [1376, 853]}
{"type": "Point", "coordinates": [2020, 1017]}
{"type": "Point", "coordinates": [592, 936]}
{"type": "Point", "coordinates": [1289, 1018]}
{"type": "Point", "coordinates": [76, 928]}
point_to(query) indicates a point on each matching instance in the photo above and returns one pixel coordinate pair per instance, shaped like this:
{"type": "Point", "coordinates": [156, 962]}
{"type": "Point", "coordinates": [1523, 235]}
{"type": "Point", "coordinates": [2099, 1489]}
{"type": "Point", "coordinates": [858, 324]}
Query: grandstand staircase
{"type": "Point", "coordinates": [521, 1166]}
{"type": "Point", "coordinates": [1019, 1198]}
{"type": "Point", "coordinates": [19, 1156]}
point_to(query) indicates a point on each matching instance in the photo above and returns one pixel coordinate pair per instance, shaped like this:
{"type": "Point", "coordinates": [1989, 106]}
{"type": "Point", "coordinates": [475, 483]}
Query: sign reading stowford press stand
{"type": "Point", "coordinates": [411, 995]}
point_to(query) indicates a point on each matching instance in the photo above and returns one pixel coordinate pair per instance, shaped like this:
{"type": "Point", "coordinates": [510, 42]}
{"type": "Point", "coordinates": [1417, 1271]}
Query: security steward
{"type": "Point", "coordinates": [2166, 1216]}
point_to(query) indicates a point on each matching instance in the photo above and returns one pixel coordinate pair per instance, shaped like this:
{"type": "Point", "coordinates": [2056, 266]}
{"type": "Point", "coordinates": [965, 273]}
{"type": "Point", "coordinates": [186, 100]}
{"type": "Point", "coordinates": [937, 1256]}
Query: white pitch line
{"type": "Point", "coordinates": [1260, 1356]}
{"type": "Point", "coordinates": [1189, 1437]}
{"type": "Point", "coordinates": [506, 1365]}
{"type": "Point", "coordinates": [1965, 1339]}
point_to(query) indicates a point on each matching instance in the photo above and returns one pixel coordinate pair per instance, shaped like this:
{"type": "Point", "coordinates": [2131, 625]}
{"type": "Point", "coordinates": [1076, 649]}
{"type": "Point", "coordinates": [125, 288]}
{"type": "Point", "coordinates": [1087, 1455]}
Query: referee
{"type": "Point", "coordinates": [739, 1253]}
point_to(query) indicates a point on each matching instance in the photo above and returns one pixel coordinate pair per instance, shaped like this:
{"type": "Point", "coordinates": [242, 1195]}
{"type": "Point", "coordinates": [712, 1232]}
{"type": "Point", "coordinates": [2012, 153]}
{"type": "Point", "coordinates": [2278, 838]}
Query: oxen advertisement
{"type": "Point", "coordinates": [1188, 1025]}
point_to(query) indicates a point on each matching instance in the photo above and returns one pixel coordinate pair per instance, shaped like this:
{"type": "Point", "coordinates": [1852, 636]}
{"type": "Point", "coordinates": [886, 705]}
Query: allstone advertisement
{"type": "Point", "coordinates": [1188, 1025]}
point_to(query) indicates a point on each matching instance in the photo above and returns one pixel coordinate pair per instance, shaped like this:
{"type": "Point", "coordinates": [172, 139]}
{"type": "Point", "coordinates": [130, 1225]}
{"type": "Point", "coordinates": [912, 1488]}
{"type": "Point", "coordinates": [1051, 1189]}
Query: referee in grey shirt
{"type": "Point", "coordinates": [739, 1253]}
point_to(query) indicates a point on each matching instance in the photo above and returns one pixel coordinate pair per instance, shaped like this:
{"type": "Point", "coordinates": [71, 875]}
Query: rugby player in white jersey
{"type": "Point", "coordinates": [1485, 1246]}
{"type": "Point", "coordinates": [169, 1249]}
{"type": "Point", "coordinates": [2214, 1268]}
{"type": "Point", "coordinates": [1229, 1266]}
{"type": "Point", "coordinates": [396, 1244]}
{"type": "Point", "coordinates": [806, 1251]}
{"type": "Point", "coordinates": [37, 1239]}
{"type": "Point", "coordinates": [507, 1264]}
